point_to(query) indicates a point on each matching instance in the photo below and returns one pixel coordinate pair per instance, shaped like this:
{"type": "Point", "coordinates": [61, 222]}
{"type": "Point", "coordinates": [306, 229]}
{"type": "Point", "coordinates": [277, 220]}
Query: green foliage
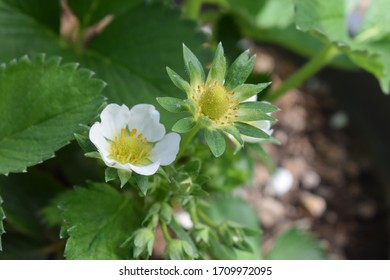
{"type": "Point", "coordinates": [24, 196]}
{"type": "Point", "coordinates": [130, 54]}
{"type": "Point", "coordinates": [41, 113]}
{"type": "Point", "coordinates": [328, 20]}
{"type": "Point", "coordinates": [296, 244]}
{"type": "Point", "coordinates": [98, 220]}
{"type": "Point", "coordinates": [236, 210]}
{"type": "Point", "coordinates": [141, 242]}
{"type": "Point", "coordinates": [2, 217]}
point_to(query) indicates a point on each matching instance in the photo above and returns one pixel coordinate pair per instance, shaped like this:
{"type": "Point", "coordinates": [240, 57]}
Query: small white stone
{"type": "Point", "coordinates": [310, 179]}
{"type": "Point", "coordinates": [280, 182]}
{"type": "Point", "coordinates": [339, 120]}
{"type": "Point", "coordinates": [184, 219]}
{"type": "Point", "coordinates": [314, 204]}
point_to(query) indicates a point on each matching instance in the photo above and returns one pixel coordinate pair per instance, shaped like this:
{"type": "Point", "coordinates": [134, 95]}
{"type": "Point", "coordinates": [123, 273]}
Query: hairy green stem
{"type": "Point", "coordinates": [192, 8]}
{"type": "Point", "coordinates": [186, 139]}
{"type": "Point", "coordinates": [314, 65]}
{"type": "Point", "coordinates": [206, 219]}
{"type": "Point", "coordinates": [165, 232]}
{"type": "Point", "coordinates": [193, 214]}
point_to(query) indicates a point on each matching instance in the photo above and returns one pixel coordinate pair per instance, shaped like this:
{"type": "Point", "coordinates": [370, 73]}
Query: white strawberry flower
{"type": "Point", "coordinates": [134, 140]}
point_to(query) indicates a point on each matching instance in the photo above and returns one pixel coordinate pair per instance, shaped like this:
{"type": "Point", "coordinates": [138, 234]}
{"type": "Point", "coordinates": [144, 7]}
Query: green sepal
{"type": "Point", "coordinates": [110, 174]}
{"type": "Point", "coordinates": [182, 234]}
{"type": "Point", "coordinates": [239, 71]}
{"type": "Point", "coordinates": [231, 130]}
{"type": "Point", "coordinates": [244, 91]}
{"type": "Point", "coordinates": [172, 104]}
{"type": "Point", "coordinates": [166, 213]}
{"type": "Point", "coordinates": [152, 212]}
{"type": "Point", "coordinates": [251, 131]}
{"type": "Point", "coordinates": [184, 125]}
{"type": "Point", "coordinates": [193, 167]}
{"type": "Point", "coordinates": [193, 66]}
{"type": "Point", "coordinates": [124, 176]}
{"type": "Point", "coordinates": [85, 143]}
{"type": "Point", "coordinates": [265, 107]}
{"type": "Point", "coordinates": [178, 81]}
{"type": "Point", "coordinates": [215, 141]}
{"type": "Point", "coordinates": [201, 234]}
{"type": "Point", "coordinates": [218, 67]}
{"type": "Point", "coordinates": [247, 115]}
{"type": "Point", "coordinates": [142, 241]}
{"type": "Point", "coordinates": [142, 183]}
{"type": "Point", "coordinates": [93, 155]}
{"type": "Point", "coordinates": [206, 122]}
{"type": "Point", "coordinates": [2, 217]}
{"type": "Point", "coordinates": [265, 158]}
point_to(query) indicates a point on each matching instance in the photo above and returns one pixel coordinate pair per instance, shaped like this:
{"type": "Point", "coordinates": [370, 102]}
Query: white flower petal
{"type": "Point", "coordinates": [166, 149]}
{"type": "Point", "coordinates": [113, 119]}
{"type": "Point", "coordinates": [146, 119]}
{"type": "Point", "coordinates": [96, 135]}
{"type": "Point", "coordinates": [145, 170]}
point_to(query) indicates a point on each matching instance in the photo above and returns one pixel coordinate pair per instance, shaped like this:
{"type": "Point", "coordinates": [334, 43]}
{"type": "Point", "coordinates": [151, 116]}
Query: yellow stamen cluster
{"type": "Point", "coordinates": [214, 102]}
{"type": "Point", "coordinates": [129, 147]}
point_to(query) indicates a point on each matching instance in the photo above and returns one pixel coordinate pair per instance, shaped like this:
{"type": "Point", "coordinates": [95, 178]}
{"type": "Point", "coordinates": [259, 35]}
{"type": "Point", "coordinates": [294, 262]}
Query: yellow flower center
{"type": "Point", "coordinates": [129, 147]}
{"type": "Point", "coordinates": [214, 102]}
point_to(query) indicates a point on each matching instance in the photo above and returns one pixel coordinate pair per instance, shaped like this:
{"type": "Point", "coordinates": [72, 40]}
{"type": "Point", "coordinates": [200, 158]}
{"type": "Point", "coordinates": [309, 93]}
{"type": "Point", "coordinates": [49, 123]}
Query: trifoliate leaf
{"type": "Point", "coordinates": [239, 71]}
{"type": "Point", "coordinates": [43, 103]}
{"type": "Point", "coordinates": [98, 220]}
{"type": "Point", "coordinates": [215, 141]}
{"type": "Point", "coordinates": [296, 244]}
{"type": "Point", "coordinates": [218, 67]}
{"type": "Point", "coordinates": [184, 125]}
{"type": "Point", "coordinates": [2, 217]}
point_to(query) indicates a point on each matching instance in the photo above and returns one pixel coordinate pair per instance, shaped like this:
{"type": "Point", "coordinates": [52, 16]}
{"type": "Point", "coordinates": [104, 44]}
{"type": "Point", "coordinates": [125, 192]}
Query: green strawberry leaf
{"type": "Point", "coordinates": [43, 103]}
{"type": "Point", "coordinates": [296, 244]}
{"type": "Point", "coordinates": [130, 54]}
{"type": "Point", "coordinates": [327, 19]}
{"type": "Point", "coordinates": [98, 220]}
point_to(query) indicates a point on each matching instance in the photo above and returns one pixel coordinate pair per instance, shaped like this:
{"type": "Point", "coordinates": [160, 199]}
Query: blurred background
{"type": "Point", "coordinates": [330, 175]}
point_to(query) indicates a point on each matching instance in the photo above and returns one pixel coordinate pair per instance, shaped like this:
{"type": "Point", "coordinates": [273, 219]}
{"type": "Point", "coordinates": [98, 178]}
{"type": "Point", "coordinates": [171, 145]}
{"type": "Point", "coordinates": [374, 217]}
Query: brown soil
{"type": "Point", "coordinates": [336, 193]}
